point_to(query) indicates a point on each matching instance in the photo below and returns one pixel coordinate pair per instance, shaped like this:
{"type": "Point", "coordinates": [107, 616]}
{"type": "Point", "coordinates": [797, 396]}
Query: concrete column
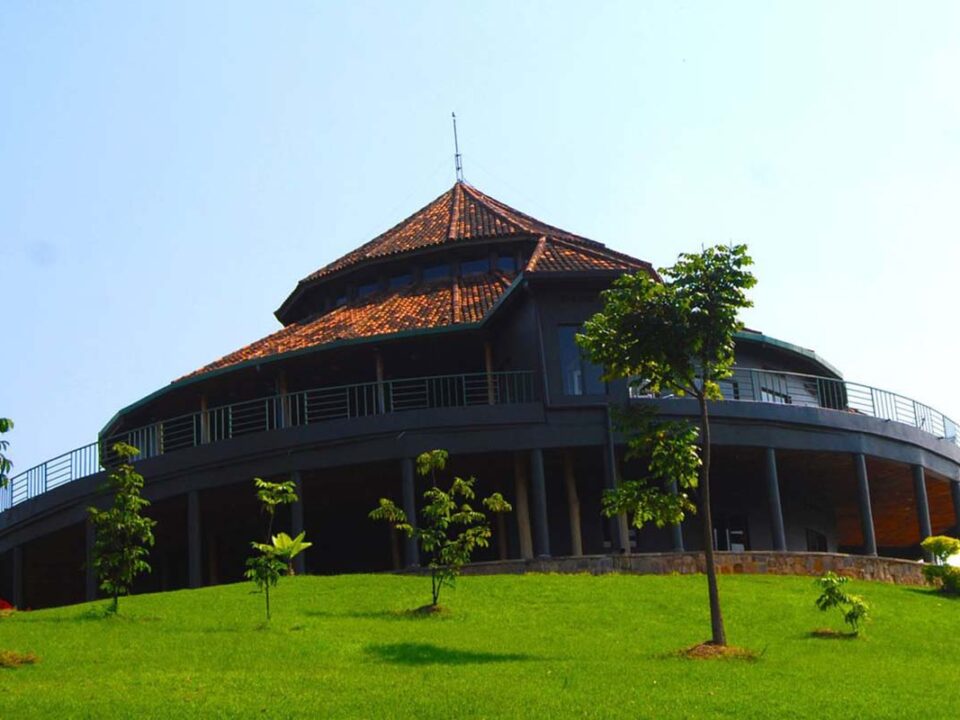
{"type": "Point", "coordinates": [619, 529]}
{"type": "Point", "coordinates": [955, 496]}
{"type": "Point", "coordinates": [923, 506]}
{"type": "Point", "coordinates": [194, 545]}
{"type": "Point", "coordinates": [411, 553]}
{"type": "Point", "coordinates": [522, 507]}
{"type": "Point", "coordinates": [676, 531]}
{"type": "Point", "coordinates": [541, 529]}
{"type": "Point", "coordinates": [573, 504]}
{"type": "Point", "coordinates": [777, 532]}
{"type": "Point", "coordinates": [866, 509]}
{"type": "Point", "coordinates": [296, 521]}
{"type": "Point", "coordinates": [90, 573]}
{"type": "Point", "coordinates": [17, 599]}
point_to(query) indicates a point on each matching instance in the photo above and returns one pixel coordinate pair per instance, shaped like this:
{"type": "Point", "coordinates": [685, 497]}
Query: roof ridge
{"type": "Point", "coordinates": [454, 212]}
{"type": "Point", "coordinates": [489, 204]}
{"type": "Point", "coordinates": [537, 253]}
{"type": "Point", "coordinates": [593, 250]}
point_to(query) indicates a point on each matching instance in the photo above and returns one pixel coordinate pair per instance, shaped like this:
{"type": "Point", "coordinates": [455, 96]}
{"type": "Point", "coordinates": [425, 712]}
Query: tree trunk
{"type": "Point", "coordinates": [716, 617]}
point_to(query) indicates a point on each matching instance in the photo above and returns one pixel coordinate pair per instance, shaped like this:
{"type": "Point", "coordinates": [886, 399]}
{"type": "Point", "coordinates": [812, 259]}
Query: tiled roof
{"type": "Point", "coordinates": [461, 213]}
{"type": "Point", "coordinates": [464, 300]}
{"type": "Point", "coordinates": [556, 255]}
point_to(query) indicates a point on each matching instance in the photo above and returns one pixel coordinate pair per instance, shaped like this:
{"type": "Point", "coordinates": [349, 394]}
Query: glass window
{"type": "Point", "coordinates": [580, 377]}
{"type": "Point", "coordinates": [436, 272]}
{"type": "Point", "coordinates": [472, 267]}
{"type": "Point", "coordinates": [507, 263]}
{"type": "Point", "coordinates": [400, 280]}
{"type": "Point", "coordinates": [341, 300]}
{"type": "Point", "coordinates": [367, 289]}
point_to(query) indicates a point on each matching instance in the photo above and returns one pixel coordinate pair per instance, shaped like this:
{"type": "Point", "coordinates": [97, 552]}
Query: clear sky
{"type": "Point", "coordinates": [168, 171]}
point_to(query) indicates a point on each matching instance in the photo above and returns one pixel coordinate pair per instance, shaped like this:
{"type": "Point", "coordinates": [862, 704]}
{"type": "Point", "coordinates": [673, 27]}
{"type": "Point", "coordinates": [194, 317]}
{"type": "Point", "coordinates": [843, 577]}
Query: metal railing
{"type": "Point", "coordinates": [306, 407]}
{"type": "Point", "coordinates": [786, 388]}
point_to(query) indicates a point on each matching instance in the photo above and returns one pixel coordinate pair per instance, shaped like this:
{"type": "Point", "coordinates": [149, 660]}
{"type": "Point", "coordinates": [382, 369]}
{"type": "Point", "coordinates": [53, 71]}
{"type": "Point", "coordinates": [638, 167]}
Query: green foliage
{"type": "Point", "coordinates": [273, 556]}
{"type": "Point", "coordinates": [940, 574]}
{"type": "Point", "coordinates": [677, 335]}
{"type": "Point", "coordinates": [6, 425]}
{"type": "Point", "coordinates": [670, 449]}
{"type": "Point", "coordinates": [285, 548]}
{"type": "Point", "coordinates": [123, 535]}
{"type": "Point", "coordinates": [674, 336]}
{"type": "Point", "coordinates": [833, 595]}
{"type": "Point", "coordinates": [451, 529]}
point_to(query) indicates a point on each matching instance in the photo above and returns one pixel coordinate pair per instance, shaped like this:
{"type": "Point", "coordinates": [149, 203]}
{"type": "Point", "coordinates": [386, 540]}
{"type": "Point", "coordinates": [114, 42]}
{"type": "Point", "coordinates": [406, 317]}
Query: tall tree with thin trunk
{"type": "Point", "coordinates": [123, 536]}
{"type": "Point", "coordinates": [676, 335]}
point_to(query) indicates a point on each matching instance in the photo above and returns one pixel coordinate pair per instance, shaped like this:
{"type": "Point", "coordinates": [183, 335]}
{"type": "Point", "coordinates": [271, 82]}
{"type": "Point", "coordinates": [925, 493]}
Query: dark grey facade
{"type": "Point", "coordinates": [802, 460]}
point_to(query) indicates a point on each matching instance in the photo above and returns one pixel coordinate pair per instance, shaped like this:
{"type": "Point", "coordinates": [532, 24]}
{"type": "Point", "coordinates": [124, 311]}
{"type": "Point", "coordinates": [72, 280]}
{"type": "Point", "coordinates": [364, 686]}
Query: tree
{"type": "Point", "coordinates": [266, 567]}
{"type": "Point", "coordinates": [854, 608]}
{"type": "Point", "coordinates": [451, 529]}
{"type": "Point", "coordinates": [123, 535]}
{"type": "Point", "coordinates": [677, 336]}
{"type": "Point", "coordinates": [940, 573]}
{"type": "Point", "coordinates": [6, 425]}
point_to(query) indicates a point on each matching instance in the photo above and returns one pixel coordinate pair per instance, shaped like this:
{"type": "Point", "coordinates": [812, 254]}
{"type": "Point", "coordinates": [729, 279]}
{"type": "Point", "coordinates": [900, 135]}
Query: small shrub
{"type": "Point", "coordinates": [832, 595]}
{"type": "Point", "coordinates": [939, 573]}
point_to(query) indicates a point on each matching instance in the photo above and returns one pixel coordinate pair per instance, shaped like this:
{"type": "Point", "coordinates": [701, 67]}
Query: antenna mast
{"type": "Point", "coordinates": [458, 161]}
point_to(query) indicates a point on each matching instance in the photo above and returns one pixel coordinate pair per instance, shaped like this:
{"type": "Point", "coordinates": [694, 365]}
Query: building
{"type": "Point", "coordinates": [455, 329]}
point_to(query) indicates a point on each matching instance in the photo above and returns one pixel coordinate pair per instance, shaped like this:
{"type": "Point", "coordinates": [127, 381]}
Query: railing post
{"type": "Point", "coordinates": [204, 421]}
{"type": "Point", "coordinates": [488, 364]}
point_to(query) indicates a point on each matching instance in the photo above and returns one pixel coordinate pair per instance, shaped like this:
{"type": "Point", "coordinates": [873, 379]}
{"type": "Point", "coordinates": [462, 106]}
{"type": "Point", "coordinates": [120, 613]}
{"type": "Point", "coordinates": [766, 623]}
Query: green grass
{"type": "Point", "coordinates": [540, 646]}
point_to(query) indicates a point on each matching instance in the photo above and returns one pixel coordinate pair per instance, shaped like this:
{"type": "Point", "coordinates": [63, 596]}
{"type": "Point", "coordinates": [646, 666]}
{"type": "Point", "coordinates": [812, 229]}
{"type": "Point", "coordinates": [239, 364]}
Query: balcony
{"type": "Point", "coordinates": [306, 407]}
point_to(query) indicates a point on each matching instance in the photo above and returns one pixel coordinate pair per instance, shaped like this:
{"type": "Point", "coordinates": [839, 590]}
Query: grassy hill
{"type": "Point", "coordinates": [510, 646]}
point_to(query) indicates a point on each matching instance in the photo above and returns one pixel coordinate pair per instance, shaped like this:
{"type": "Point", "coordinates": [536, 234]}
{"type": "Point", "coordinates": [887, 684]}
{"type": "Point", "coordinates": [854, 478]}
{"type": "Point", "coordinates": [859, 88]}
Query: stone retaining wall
{"type": "Point", "coordinates": [901, 572]}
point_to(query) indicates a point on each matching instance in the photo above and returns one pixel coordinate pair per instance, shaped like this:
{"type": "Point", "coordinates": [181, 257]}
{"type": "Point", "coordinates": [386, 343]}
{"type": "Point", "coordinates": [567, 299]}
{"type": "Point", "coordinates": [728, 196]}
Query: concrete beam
{"type": "Point", "coordinates": [777, 531]}
{"type": "Point", "coordinates": [866, 508]}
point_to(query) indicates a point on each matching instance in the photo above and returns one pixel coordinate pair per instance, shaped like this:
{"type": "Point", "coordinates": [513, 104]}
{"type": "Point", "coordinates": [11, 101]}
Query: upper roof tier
{"type": "Point", "coordinates": [461, 215]}
{"type": "Point", "coordinates": [455, 301]}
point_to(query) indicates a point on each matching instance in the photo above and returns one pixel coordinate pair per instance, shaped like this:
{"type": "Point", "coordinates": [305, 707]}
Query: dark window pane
{"type": "Point", "coordinates": [436, 272]}
{"type": "Point", "coordinates": [400, 280]}
{"type": "Point", "coordinates": [342, 300]}
{"type": "Point", "coordinates": [507, 263]}
{"type": "Point", "coordinates": [570, 365]}
{"type": "Point", "coordinates": [367, 289]}
{"type": "Point", "coordinates": [592, 381]}
{"type": "Point", "coordinates": [471, 267]}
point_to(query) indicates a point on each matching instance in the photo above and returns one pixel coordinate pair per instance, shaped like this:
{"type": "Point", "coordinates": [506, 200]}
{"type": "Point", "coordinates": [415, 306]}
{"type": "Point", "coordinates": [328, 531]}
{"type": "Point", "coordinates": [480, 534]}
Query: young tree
{"type": "Point", "coordinates": [451, 529]}
{"type": "Point", "coordinates": [269, 564]}
{"type": "Point", "coordinates": [677, 336]}
{"type": "Point", "coordinates": [6, 424]}
{"type": "Point", "coordinates": [123, 535]}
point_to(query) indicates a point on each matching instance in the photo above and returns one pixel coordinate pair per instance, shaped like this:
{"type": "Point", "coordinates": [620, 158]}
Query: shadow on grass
{"type": "Point", "coordinates": [92, 613]}
{"type": "Point", "coordinates": [830, 634]}
{"type": "Point", "coordinates": [932, 592]}
{"type": "Point", "coordinates": [426, 654]}
{"type": "Point", "coordinates": [378, 614]}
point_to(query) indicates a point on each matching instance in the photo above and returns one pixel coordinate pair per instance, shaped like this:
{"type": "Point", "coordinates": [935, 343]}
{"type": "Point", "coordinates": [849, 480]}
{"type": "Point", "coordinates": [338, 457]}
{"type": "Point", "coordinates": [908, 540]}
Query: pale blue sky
{"type": "Point", "coordinates": [168, 171]}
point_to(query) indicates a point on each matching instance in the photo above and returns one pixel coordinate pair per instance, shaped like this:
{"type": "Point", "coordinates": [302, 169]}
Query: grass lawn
{"type": "Point", "coordinates": [538, 646]}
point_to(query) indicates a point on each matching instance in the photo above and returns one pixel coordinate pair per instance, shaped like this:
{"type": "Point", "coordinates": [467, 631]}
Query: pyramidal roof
{"type": "Point", "coordinates": [461, 213]}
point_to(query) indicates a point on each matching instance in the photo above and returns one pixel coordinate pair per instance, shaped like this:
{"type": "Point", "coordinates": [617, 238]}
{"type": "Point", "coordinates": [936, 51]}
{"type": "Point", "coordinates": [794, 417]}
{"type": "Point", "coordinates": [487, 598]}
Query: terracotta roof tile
{"type": "Point", "coordinates": [430, 305]}
{"type": "Point", "coordinates": [556, 255]}
{"type": "Point", "coordinates": [461, 213]}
